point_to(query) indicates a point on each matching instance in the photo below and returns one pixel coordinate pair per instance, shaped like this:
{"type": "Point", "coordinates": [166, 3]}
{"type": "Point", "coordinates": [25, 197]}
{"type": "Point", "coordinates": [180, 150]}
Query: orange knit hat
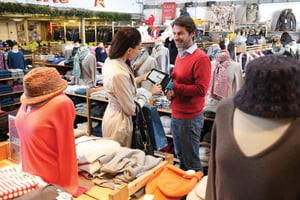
{"type": "Point", "coordinates": [41, 84]}
{"type": "Point", "coordinates": [171, 182]}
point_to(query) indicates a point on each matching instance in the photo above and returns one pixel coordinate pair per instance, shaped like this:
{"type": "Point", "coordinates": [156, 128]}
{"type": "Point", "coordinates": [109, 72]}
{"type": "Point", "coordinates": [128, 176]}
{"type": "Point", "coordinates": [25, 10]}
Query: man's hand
{"type": "Point", "coordinates": [170, 95]}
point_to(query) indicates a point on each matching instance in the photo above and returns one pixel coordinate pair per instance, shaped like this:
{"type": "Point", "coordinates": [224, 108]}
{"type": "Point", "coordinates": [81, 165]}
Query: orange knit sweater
{"type": "Point", "coordinates": [47, 142]}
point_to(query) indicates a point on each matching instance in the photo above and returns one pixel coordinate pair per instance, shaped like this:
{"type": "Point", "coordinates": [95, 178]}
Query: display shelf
{"type": "Point", "coordinates": [76, 95]}
{"type": "Point", "coordinates": [82, 115]}
{"type": "Point", "coordinates": [56, 66]}
{"type": "Point", "coordinates": [98, 99]}
{"type": "Point", "coordinates": [10, 93]}
{"type": "Point", "coordinates": [88, 99]}
{"type": "Point", "coordinates": [260, 47]}
{"type": "Point", "coordinates": [169, 111]}
{"type": "Point", "coordinates": [96, 118]}
{"type": "Point", "coordinates": [164, 110]}
{"type": "Point", "coordinates": [13, 104]}
{"type": "Point", "coordinates": [10, 81]}
{"type": "Point", "coordinates": [294, 34]}
{"type": "Point", "coordinates": [11, 78]}
{"type": "Point", "coordinates": [205, 45]}
{"type": "Point", "coordinates": [63, 66]}
{"type": "Point", "coordinates": [284, 31]}
{"type": "Point", "coordinates": [163, 155]}
{"type": "Point", "coordinates": [266, 25]}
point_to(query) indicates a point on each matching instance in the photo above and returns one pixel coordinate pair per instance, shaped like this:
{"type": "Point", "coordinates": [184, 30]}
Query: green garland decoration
{"type": "Point", "coordinates": [19, 8]}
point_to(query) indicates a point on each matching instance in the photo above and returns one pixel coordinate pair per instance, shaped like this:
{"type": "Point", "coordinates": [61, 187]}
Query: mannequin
{"type": "Point", "coordinates": [84, 70]}
{"type": "Point", "coordinates": [260, 132]}
{"type": "Point", "coordinates": [254, 152]}
{"type": "Point", "coordinates": [15, 58]}
{"type": "Point", "coordinates": [251, 14]}
{"type": "Point", "coordinates": [15, 49]}
{"type": "Point", "coordinates": [101, 54]}
{"type": "Point", "coordinates": [226, 85]}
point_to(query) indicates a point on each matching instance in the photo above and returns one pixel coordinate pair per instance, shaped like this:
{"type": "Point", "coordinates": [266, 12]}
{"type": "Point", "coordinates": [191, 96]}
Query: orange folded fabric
{"type": "Point", "coordinates": [171, 182]}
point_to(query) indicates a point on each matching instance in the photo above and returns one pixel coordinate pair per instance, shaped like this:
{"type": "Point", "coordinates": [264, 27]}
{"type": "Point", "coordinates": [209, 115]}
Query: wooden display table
{"type": "Point", "coordinates": [95, 191]}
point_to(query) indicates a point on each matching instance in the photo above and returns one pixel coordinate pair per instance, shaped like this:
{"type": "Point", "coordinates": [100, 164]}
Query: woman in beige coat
{"type": "Point", "coordinates": [120, 85]}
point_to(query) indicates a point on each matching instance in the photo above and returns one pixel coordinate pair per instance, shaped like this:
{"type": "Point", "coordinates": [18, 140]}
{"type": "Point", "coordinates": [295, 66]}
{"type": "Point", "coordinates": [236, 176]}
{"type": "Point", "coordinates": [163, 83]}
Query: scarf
{"type": "Point", "coordinates": [220, 87]}
{"type": "Point", "coordinates": [139, 60]}
{"type": "Point", "coordinates": [80, 55]}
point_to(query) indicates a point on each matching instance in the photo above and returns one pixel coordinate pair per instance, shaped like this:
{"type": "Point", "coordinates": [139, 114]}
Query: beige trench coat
{"type": "Point", "coordinates": [121, 91]}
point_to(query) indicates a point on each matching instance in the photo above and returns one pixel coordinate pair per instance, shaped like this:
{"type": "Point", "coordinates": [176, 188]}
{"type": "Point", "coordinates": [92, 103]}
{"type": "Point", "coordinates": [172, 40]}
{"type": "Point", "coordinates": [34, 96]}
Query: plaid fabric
{"type": "Point", "coordinates": [14, 183]}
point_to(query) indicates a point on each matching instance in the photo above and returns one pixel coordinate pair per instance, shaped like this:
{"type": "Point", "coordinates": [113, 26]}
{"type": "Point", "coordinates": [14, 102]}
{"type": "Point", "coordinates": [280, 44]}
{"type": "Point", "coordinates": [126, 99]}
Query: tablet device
{"type": "Point", "coordinates": [156, 75]}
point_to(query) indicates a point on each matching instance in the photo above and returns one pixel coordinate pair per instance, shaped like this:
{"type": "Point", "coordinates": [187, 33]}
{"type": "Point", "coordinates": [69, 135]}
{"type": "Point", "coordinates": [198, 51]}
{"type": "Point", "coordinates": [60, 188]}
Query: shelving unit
{"type": "Point", "coordinates": [266, 25]}
{"type": "Point", "coordinates": [34, 31]}
{"type": "Point", "coordinates": [294, 34]}
{"type": "Point", "coordinates": [11, 93]}
{"type": "Point", "coordinates": [21, 32]}
{"type": "Point", "coordinates": [86, 98]}
{"type": "Point", "coordinates": [260, 47]}
{"type": "Point", "coordinates": [12, 106]}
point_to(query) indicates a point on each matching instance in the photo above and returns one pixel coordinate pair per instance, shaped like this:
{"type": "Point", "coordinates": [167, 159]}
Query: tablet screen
{"type": "Point", "coordinates": [156, 76]}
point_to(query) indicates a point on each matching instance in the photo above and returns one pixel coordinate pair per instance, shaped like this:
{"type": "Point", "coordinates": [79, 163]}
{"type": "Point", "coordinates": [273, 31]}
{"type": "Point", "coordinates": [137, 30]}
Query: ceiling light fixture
{"type": "Point", "coordinates": [17, 20]}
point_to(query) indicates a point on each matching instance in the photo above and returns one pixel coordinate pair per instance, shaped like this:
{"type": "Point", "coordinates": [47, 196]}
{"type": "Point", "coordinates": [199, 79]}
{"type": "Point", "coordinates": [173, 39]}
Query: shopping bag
{"type": "Point", "coordinates": [155, 128]}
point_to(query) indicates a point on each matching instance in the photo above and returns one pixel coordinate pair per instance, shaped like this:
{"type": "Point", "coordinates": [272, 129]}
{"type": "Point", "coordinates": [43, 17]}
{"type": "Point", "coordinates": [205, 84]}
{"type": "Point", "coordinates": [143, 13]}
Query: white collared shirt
{"type": "Point", "coordinates": [190, 50]}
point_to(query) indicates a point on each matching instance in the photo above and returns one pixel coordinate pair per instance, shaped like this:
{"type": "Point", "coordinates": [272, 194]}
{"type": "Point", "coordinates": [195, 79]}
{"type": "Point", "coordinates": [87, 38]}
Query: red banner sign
{"type": "Point", "coordinates": [99, 2]}
{"type": "Point", "coordinates": [168, 11]}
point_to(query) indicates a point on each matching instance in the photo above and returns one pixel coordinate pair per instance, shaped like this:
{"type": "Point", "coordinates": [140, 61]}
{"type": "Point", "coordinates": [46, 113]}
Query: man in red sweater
{"type": "Point", "coordinates": [191, 77]}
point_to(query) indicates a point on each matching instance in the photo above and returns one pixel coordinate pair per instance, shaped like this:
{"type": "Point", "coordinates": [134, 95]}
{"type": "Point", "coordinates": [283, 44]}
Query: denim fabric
{"type": "Point", "coordinates": [186, 138]}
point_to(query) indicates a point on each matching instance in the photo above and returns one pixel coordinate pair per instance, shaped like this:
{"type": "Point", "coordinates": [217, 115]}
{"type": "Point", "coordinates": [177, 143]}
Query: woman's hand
{"type": "Point", "coordinates": [156, 89]}
{"type": "Point", "coordinates": [142, 78]}
{"type": "Point", "coordinates": [145, 76]}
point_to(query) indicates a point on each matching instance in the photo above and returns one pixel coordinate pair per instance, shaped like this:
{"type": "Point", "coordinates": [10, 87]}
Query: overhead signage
{"type": "Point", "coordinates": [100, 2]}
{"type": "Point", "coordinates": [168, 11]}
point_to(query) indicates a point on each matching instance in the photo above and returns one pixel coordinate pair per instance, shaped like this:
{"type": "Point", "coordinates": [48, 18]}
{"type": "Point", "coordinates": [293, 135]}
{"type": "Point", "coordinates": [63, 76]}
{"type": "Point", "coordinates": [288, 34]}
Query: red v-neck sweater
{"type": "Point", "coordinates": [47, 142]}
{"type": "Point", "coordinates": [191, 76]}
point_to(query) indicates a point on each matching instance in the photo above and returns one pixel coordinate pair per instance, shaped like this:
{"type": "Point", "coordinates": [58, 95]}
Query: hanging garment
{"type": "Point", "coordinates": [3, 64]}
{"type": "Point", "coordinates": [144, 65]}
{"type": "Point", "coordinates": [286, 21]}
{"type": "Point", "coordinates": [161, 54]}
{"type": "Point", "coordinates": [170, 44]}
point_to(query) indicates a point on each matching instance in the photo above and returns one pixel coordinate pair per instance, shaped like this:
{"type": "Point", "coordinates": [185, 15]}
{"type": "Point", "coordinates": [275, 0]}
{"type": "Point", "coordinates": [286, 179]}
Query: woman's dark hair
{"type": "Point", "coordinates": [125, 38]}
{"type": "Point", "coordinates": [222, 44]}
{"type": "Point", "coordinates": [187, 22]}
